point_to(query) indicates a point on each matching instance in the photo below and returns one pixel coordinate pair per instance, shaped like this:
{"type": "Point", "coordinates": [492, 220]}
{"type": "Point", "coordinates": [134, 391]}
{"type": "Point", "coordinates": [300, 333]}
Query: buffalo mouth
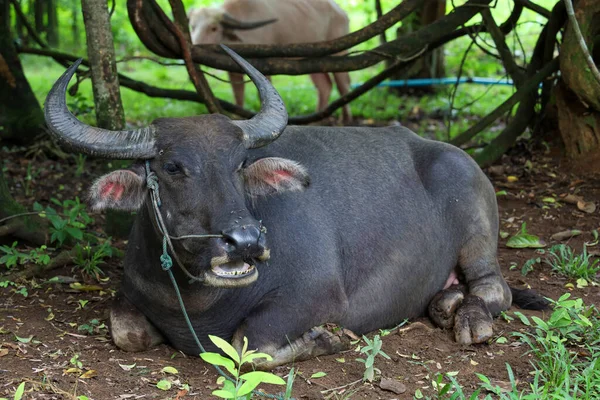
{"type": "Point", "coordinates": [231, 274]}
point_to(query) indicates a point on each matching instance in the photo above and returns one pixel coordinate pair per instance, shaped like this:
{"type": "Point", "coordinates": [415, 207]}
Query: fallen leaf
{"type": "Point", "coordinates": [72, 371]}
{"type": "Point", "coordinates": [566, 234]}
{"type": "Point", "coordinates": [84, 288]}
{"type": "Point", "coordinates": [392, 385]}
{"type": "Point", "coordinates": [511, 178]}
{"type": "Point", "coordinates": [23, 339]}
{"type": "Point", "coordinates": [127, 367]}
{"type": "Point", "coordinates": [170, 370]}
{"type": "Point", "coordinates": [571, 198]}
{"type": "Point", "coordinates": [523, 240]}
{"type": "Point", "coordinates": [163, 384]}
{"type": "Point", "coordinates": [586, 206]}
{"type": "Point", "coordinates": [317, 375]}
{"type": "Point", "coordinates": [582, 283]}
{"type": "Point", "coordinates": [3, 352]}
{"type": "Point", "coordinates": [181, 394]}
{"type": "Point", "coordinates": [474, 363]}
{"type": "Point", "coordinates": [88, 374]}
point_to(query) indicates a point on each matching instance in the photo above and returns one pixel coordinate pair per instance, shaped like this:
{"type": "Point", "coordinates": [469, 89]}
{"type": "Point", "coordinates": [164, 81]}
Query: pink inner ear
{"type": "Point", "coordinates": [277, 176]}
{"type": "Point", "coordinates": [113, 190]}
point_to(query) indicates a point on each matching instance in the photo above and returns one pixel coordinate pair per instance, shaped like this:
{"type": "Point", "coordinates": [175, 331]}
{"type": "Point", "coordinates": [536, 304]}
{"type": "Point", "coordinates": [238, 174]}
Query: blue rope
{"type": "Point", "coordinates": [166, 263]}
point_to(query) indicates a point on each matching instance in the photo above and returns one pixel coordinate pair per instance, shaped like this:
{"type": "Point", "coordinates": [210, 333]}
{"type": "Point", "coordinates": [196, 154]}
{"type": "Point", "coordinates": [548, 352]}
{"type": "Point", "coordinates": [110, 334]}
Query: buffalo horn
{"type": "Point", "coordinates": [126, 144]}
{"type": "Point", "coordinates": [232, 23]}
{"type": "Point", "coordinates": [272, 118]}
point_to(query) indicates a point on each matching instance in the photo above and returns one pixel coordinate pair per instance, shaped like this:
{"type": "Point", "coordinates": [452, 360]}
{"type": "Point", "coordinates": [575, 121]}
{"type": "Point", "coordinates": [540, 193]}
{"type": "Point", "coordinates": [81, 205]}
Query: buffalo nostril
{"type": "Point", "coordinates": [242, 238]}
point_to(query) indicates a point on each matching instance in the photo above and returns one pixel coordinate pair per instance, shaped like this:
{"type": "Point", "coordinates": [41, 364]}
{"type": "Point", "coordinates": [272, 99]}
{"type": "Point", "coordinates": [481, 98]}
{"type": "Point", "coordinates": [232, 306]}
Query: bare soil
{"type": "Point", "coordinates": [52, 312]}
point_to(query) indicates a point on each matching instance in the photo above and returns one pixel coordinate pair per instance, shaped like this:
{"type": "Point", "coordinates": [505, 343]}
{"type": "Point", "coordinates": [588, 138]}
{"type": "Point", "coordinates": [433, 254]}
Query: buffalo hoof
{"type": "Point", "coordinates": [466, 313]}
{"type": "Point", "coordinates": [473, 321]}
{"type": "Point", "coordinates": [130, 329]}
{"type": "Point", "coordinates": [316, 342]}
{"type": "Point", "coordinates": [444, 305]}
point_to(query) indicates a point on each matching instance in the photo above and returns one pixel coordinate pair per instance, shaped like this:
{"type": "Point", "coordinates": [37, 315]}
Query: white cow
{"type": "Point", "coordinates": [274, 22]}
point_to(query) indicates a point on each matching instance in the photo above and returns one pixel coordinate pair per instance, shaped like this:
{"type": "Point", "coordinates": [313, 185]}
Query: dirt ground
{"type": "Point", "coordinates": [47, 320]}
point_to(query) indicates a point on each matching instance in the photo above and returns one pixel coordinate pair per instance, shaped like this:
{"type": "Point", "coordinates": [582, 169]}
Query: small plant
{"type": "Point", "coordinates": [30, 175]}
{"type": "Point", "coordinates": [91, 327]}
{"type": "Point", "coordinates": [242, 385]}
{"type": "Point", "coordinates": [75, 361]}
{"type": "Point", "coordinates": [12, 256]}
{"type": "Point", "coordinates": [371, 350]}
{"type": "Point", "coordinates": [89, 259]}
{"type": "Point", "coordinates": [68, 229]}
{"type": "Point", "coordinates": [563, 260]}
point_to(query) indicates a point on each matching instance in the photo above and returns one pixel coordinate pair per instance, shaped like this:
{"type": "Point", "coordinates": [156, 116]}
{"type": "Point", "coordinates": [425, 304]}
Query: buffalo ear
{"type": "Point", "coordinates": [274, 175]}
{"type": "Point", "coordinates": [123, 189]}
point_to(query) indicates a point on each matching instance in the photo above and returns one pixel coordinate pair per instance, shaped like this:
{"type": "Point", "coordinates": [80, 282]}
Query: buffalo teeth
{"type": "Point", "coordinates": [246, 269]}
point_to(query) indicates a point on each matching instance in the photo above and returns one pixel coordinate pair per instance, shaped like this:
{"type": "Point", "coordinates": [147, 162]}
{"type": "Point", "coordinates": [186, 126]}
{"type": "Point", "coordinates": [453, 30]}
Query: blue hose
{"type": "Point", "coordinates": [442, 81]}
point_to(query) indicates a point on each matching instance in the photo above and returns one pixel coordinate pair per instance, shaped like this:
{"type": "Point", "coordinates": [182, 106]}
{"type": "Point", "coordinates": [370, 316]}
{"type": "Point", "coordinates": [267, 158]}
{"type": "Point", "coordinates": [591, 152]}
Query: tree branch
{"type": "Point", "coordinates": [535, 7]}
{"type": "Point", "coordinates": [32, 32]}
{"type": "Point", "coordinates": [530, 85]}
{"type": "Point", "coordinates": [401, 48]}
{"type": "Point", "coordinates": [508, 61]}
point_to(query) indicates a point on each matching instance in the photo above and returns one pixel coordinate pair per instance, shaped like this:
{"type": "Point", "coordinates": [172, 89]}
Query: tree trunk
{"type": "Point", "coordinates": [40, 14]}
{"type": "Point", "coordinates": [105, 84]}
{"type": "Point", "coordinates": [52, 30]}
{"type": "Point", "coordinates": [430, 64]}
{"type": "Point", "coordinates": [75, 24]}
{"type": "Point", "coordinates": [578, 96]}
{"type": "Point", "coordinates": [21, 118]}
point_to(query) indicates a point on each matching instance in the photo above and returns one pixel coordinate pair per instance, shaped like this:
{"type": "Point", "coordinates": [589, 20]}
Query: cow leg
{"type": "Point", "coordinates": [323, 84]}
{"type": "Point", "coordinates": [470, 310]}
{"type": "Point", "coordinates": [316, 342]}
{"type": "Point", "coordinates": [342, 81]}
{"type": "Point", "coordinates": [237, 84]}
{"type": "Point", "coordinates": [130, 329]}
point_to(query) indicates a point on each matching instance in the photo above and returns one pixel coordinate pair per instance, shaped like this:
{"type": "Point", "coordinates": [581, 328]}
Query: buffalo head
{"type": "Point", "coordinates": [204, 176]}
{"type": "Point", "coordinates": [212, 25]}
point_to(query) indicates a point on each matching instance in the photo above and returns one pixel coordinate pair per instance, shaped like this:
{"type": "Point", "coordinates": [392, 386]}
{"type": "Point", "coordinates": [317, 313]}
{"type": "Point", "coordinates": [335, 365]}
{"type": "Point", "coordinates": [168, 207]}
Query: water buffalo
{"type": "Point", "coordinates": [357, 226]}
{"type": "Point", "coordinates": [274, 22]}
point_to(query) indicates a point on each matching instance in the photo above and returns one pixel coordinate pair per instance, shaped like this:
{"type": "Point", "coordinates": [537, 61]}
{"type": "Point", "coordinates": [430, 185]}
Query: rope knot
{"type": "Point", "coordinates": [166, 262]}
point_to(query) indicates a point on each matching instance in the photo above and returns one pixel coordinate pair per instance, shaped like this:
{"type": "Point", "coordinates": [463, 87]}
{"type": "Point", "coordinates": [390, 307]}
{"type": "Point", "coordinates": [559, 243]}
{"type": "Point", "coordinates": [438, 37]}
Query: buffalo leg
{"type": "Point", "coordinates": [237, 84]}
{"type": "Point", "coordinates": [469, 310]}
{"type": "Point", "coordinates": [342, 81]}
{"type": "Point", "coordinates": [316, 342]}
{"type": "Point", "coordinates": [323, 84]}
{"type": "Point", "coordinates": [129, 328]}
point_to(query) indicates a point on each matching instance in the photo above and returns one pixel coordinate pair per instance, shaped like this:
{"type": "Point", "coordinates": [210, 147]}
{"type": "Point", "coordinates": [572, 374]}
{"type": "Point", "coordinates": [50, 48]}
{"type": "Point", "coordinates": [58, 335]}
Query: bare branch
{"type": "Point", "coordinates": [530, 85]}
{"type": "Point", "coordinates": [535, 7]}
{"type": "Point", "coordinates": [505, 54]}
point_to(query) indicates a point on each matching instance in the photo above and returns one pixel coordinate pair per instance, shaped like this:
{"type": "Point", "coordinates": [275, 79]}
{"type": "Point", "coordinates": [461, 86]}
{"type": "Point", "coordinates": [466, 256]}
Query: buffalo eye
{"type": "Point", "coordinates": [171, 168]}
{"type": "Point", "coordinates": [213, 29]}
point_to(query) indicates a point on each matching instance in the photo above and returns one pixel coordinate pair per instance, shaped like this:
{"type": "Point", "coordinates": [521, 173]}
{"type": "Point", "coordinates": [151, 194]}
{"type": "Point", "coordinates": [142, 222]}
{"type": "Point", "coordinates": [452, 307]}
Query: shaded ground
{"type": "Point", "coordinates": [52, 313]}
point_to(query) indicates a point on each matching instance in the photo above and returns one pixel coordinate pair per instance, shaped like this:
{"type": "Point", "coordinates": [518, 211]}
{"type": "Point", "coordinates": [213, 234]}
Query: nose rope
{"type": "Point", "coordinates": [166, 263]}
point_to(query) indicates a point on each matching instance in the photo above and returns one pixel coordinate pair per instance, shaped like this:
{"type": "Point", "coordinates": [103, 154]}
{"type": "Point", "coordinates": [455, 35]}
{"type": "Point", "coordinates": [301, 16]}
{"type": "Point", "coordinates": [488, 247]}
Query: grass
{"type": "Point", "coordinates": [471, 101]}
{"type": "Point", "coordinates": [565, 364]}
{"type": "Point", "coordinates": [566, 262]}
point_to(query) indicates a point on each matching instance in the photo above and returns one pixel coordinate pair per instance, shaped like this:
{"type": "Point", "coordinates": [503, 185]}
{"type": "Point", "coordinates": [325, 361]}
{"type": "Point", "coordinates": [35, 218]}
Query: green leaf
{"type": "Point", "coordinates": [264, 377]}
{"type": "Point", "coordinates": [317, 375]}
{"type": "Point", "coordinates": [523, 318]}
{"type": "Point", "coordinates": [217, 359]}
{"type": "Point", "coordinates": [524, 240]}
{"type": "Point", "coordinates": [20, 391]}
{"type": "Point", "coordinates": [501, 340]}
{"type": "Point", "coordinates": [226, 347]}
{"type": "Point", "coordinates": [223, 394]}
{"type": "Point", "coordinates": [75, 232]}
{"type": "Point", "coordinates": [163, 384]}
{"type": "Point", "coordinates": [24, 339]}
{"type": "Point", "coordinates": [252, 356]}
{"type": "Point", "coordinates": [170, 370]}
